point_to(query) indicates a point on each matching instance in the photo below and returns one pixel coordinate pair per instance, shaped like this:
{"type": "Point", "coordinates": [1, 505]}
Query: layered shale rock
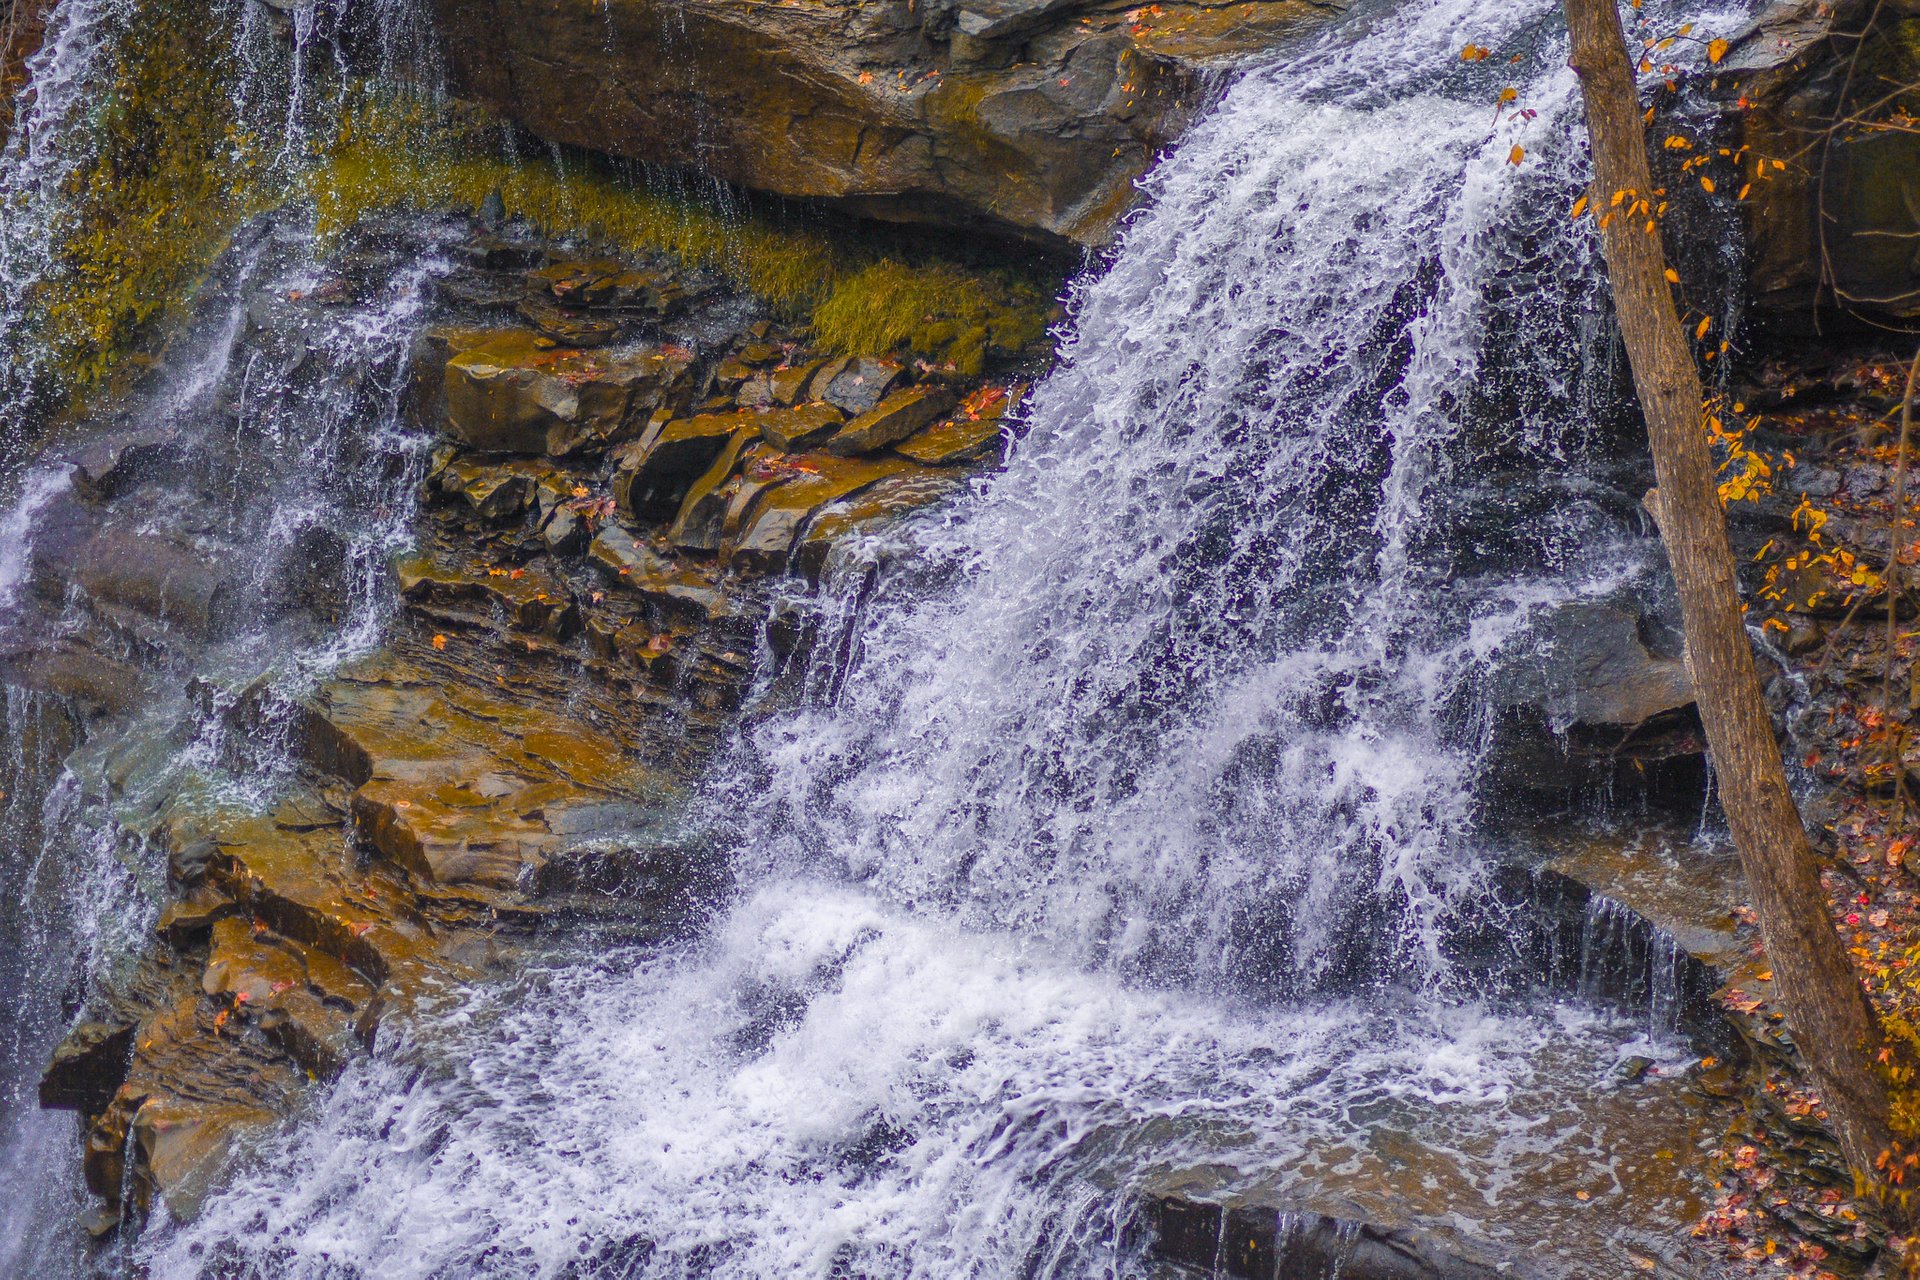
{"type": "Point", "coordinates": [1030, 117]}
{"type": "Point", "coordinates": [575, 621]}
{"type": "Point", "coordinates": [1813, 104]}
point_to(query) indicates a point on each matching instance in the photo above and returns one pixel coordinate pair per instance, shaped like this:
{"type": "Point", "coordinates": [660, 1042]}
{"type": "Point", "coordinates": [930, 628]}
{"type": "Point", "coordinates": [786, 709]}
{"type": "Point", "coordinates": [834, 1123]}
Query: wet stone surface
{"type": "Point", "coordinates": [608, 465]}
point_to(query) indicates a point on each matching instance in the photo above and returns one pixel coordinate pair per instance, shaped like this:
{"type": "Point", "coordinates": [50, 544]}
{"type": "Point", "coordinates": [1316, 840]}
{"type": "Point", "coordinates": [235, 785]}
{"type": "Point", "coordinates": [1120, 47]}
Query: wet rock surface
{"type": "Point", "coordinates": [1029, 117]}
{"type": "Point", "coordinates": [596, 533]}
{"type": "Point", "coordinates": [1815, 99]}
{"type": "Point", "coordinates": [1588, 696]}
{"type": "Point", "coordinates": [1263, 1243]}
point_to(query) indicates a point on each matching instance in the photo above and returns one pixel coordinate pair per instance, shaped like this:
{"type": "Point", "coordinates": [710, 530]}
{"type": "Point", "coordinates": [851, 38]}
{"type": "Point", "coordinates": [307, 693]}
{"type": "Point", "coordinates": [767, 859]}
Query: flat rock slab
{"type": "Point", "coordinates": [463, 787]}
{"type": "Point", "coordinates": [515, 392]}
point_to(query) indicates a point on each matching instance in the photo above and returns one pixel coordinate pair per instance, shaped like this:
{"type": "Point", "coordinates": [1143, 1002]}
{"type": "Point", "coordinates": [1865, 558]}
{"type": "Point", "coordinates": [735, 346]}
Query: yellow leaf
{"type": "Point", "coordinates": [1508, 94]}
{"type": "Point", "coordinates": [439, 642]}
{"type": "Point", "coordinates": [1472, 53]}
{"type": "Point", "coordinates": [1716, 49]}
{"type": "Point", "coordinates": [1673, 277]}
{"type": "Point", "coordinates": [1516, 155]}
{"type": "Point", "coordinates": [1744, 190]}
{"type": "Point", "coordinates": [1705, 325]}
{"type": "Point", "coordinates": [1579, 207]}
{"type": "Point", "coordinates": [1706, 184]}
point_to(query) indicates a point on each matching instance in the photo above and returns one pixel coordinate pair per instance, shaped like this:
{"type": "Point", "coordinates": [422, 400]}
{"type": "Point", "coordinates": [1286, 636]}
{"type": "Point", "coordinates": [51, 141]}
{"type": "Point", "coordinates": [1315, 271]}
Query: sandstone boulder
{"type": "Point", "coordinates": [767, 536]}
{"type": "Point", "coordinates": [891, 420]}
{"type": "Point", "coordinates": [652, 474]}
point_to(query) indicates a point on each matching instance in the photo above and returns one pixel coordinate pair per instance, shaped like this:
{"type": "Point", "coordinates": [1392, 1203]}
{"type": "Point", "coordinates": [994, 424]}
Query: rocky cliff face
{"type": "Point", "coordinates": [1024, 117]}
{"type": "Point", "coordinates": [1815, 101]}
{"type": "Point", "coordinates": [625, 453]}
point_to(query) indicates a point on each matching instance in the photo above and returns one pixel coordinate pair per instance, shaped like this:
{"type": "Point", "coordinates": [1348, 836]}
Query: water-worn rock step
{"type": "Point", "coordinates": [507, 764]}
{"type": "Point", "coordinates": [517, 392]}
{"type": "Point", "coordinates": [1261, 1242]}
{"type": "Point", "coordinates": [460, 786]}
{"type": "Point", "coordinates": [444, 822]}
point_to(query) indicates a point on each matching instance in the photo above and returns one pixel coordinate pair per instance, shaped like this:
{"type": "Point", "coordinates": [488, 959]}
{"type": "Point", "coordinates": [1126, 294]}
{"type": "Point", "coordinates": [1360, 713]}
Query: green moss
{"type": "Point", "coordinates": [165, 187]}
{"type": "Point", "coordinates": [859, 297]}
{"type": "Point", "coordinates": [949, 311]}
{"type": "Point", "coordinates": [176, 169]}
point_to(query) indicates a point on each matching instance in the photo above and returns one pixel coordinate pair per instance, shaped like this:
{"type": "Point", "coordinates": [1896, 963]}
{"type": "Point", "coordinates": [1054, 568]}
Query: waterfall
{"type": "Point", "coordinates": [1195, 701]}
{"type": "Point", "coordinates": [1120, 853]}
{"type": "Point", "coordinates": [290, 465]}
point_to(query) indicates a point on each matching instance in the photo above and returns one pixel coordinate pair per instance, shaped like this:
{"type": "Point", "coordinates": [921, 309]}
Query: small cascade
{"type": "Point", "coordinates": [274, 85]}
{"type": "Point", "coordinates": [49, 145]}
{"type": "Point", "coordinates": [1111, 839]}
{"type": "Point", "coordinates": [1130, 803]}
{"type": "Point", "coordinates": [1623, 958]}
{"type": "Point", "coordinates": [278, 483]}
{"type": "Point", "coordinates": [71, 905]}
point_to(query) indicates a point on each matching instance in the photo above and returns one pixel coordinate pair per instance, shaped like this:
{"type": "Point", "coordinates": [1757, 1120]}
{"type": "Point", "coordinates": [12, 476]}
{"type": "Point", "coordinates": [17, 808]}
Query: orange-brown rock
{"type": "Point", "coordinates": [956, 440]}
{"type": "Point", "coordinates": [515, 393]}
{"type": "Point", "coordinates": [868, 508]}
{"type": "Point", "coordinates": [767, 536]}
{"type": "Point", "coordinates": [464, 787]}
{"type": "Point", "coordinates": [653, 472]}
{"type": "Point", "coordinates": [891, 420]}
{"type": "Point", "coordinates": [1030, 117]}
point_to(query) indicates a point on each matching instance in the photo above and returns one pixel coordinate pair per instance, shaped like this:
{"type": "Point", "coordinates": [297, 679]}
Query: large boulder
{"type": "Point", "coordinates": [1585, 692]}
{"type": "Point", "coordinates": [1032, 117]}
{"type": "Point", "coordinates": [515, 392]}
{"type": "Point", "coordinates": [1831, 215]}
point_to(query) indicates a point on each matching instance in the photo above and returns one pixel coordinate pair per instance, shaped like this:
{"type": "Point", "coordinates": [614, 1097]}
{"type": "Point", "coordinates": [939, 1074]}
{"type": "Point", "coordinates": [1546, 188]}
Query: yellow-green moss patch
{"type": "Point", "coordinates": [858, 297]}
{"type": "Point", "coordinates": [174, 169]}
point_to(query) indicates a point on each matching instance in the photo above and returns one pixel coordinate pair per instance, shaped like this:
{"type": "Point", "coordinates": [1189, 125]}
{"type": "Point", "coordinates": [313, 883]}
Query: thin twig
{"type": "Point", "coordinates": [1894, 522]}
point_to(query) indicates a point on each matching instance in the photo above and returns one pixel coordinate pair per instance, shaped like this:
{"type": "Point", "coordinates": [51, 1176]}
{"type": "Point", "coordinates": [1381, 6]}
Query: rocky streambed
{"type": "Point", "coordinates": [588, 595]}
{"type": "Point", "coordinates": [531, 695]}
{"type": "Point", "coordinates": [379, 765]}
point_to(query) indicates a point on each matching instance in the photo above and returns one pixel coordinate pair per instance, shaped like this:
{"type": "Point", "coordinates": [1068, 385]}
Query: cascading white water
{"type": "Point", "coordinates": [50, 143]}
{"type": "Point", "coordinates": [54, 855]}
{"type": "Point", "coordinates": [56, 135]}
{"type": "Point", "coordinates": [1122, 849]}
{"type": "Point", "coordinates": [287, 427]}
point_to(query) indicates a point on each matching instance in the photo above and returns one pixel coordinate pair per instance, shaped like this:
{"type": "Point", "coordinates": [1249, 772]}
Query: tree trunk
{"type": "Point", "coordinates": [1819, 992]}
